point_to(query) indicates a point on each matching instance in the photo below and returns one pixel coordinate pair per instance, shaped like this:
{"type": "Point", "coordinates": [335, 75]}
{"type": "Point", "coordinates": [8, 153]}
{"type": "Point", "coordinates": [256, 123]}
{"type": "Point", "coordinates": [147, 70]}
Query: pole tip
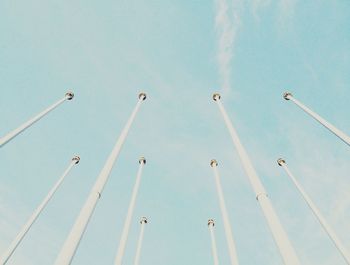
{"type": "Point", "coordinates": [287, 95]}
{"type": "Point", "coordinates": [143, 220]}
{"type": "Point", "coordinates": [142, 160]}
{"type": "Point", "coordinates": [69, 95]}
{"type": "Point", "coordinates": [213, 163]}
{"type": "Point", "coordinates": [76, 159]}
{"type": "Point", "coordinates": [280, 161]}
{"type": "Point", "coordinates": [142, 96]}
{"type": "Point", "coordinates": [211, 222]}
{"type": "Point", "coordinates": [216, 96]}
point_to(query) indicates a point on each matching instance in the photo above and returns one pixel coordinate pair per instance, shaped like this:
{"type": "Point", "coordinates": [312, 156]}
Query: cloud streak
{"type": "Point", "coordinates": [227, 23]}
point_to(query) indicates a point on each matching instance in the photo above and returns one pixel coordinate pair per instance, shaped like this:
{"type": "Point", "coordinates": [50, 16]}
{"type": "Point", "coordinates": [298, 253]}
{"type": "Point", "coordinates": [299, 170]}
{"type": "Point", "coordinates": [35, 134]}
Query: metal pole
{"type": "Point", "coordinates": [345, 138]}
{"type": "Point", "coordinates": [214, 250]}
{"type": "Point", "coordinates": [344, 252]}
{"type": "Point", "coordinates": [280, 236]}
{"type": "Point", "coordinates": [124, 237]}
{"type": "Point", "coordinates": [4, 140]}
{"type": "Point", "coordinates": [228, 231]}
{"type": "Point", "coordinates": [143, 222]}
{"type": "Point", "coordinates": [11, 249]}
{"type": "Point", "coordinates": [69, 248]}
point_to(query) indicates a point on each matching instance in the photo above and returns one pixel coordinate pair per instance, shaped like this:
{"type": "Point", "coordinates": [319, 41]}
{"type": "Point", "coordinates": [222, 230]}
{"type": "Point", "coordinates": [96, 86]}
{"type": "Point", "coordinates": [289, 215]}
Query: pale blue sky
{"type": "Point", "coordinates": [109, 51]}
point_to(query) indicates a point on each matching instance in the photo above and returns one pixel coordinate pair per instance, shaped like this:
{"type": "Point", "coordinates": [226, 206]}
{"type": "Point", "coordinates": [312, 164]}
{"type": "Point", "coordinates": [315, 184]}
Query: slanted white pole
{"type": "Point", "coordinates": [124, 237]}
{"type": "Point", "coordinates": [344, 252]}
{"type": "Point", "coordinates": [143, 222]}
{"type": "Point", "coordinates": [24, 126]}
{"type": "Point", "coordinates": [214, 250]}
{"type": "Point", "coordinates": [227, 226]}
{"type": "Point", "coordinates": [280, 236]}
{"type": "Point", "coordinates": [345, 138]}
{"type": "Point", "coordinates": [11, 249]}
{"type": "Point", "coordinates": [69, 248]}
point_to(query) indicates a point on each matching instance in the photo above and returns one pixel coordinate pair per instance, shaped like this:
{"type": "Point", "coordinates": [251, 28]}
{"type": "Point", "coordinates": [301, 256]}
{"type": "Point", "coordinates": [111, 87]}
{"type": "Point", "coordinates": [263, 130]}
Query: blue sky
{"type": "Point", "coordinates": [107, 53]}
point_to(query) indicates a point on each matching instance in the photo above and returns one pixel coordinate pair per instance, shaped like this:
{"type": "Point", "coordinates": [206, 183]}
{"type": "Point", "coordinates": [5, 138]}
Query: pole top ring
{"type": "Point", "coordinates": [216, 96]}
{"type": "Point", "coordinates": [287, 95]}
{"type": "Point", "coordinates": [213, 163]}
{"type": "Point", "coordinates": [280, 161]}
{"type": "Point", "coordinates": [69, 95]}
{"type": "Point", "coordinates": [142, 160]}
{"type": "Point", "coordinates": [142, 96]}
{"type": "Point", "coordinates": [76, 159]}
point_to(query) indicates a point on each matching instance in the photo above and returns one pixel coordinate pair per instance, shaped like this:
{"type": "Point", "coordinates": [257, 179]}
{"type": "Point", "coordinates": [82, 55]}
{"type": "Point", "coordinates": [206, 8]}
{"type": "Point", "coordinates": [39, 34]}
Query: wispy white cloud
{"type": "Point", "coordinates": [286, 11]}
{"type": "Point", "coordinates": [227, 22]}
{"type": "Point", "coordinates": [257, 5]}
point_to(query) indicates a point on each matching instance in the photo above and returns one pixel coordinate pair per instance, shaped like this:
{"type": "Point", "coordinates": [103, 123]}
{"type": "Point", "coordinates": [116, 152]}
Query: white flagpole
{"type": "Point", "coordinates": [124, 237]}
{"type": "Point", "coordinates": [345, 138]}
{"type": "Point", "coordinates": [6, 256]}
{"type": "Point", "coordinates": [344, 252]}
{"type": "Point", "coordinates": [228, 231]}
{"type": "Point", "coordinates": [4, 140]}
{"type": "Point", "coordinates": [69, 248]}
{"type": "Point", "coordinates": [214, 250]}
{"type": "Point", "coordinates": [280, 236]}
{"type": "Point", "coordinates": [143, 222]}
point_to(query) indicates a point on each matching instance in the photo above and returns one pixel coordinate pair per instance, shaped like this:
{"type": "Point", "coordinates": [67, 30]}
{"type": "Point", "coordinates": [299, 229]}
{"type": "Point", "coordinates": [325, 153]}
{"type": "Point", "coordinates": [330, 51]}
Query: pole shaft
{"type": "Point", "coordinates": [213, 245]}
{"type": "Point", "coordinates": [6, 256]}
{"type": "Point", "coordinates": [124, 237]}
{"type": "Point", "coordinates": [228, 231]}
{"type": "Point", "coordinates": [281, 239]}
{"type": "Point", "coordinates": [139, 245]}
{"type": "Point", "coordinates": [4, 140]}
{"type": "Point", "coordinates": [340, 134]}
{"type": "Point", "coordinates": [344, 252]}
{"type": "Point", "coordinates": [71, 244]}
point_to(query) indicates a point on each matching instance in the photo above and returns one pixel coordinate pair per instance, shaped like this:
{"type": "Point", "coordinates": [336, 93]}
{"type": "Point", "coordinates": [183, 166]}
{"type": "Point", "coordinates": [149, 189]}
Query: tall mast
{"type": "Point", "coordinates": [143, 222]}
{"type": "Point", "coordinates": [330, 232]}
{"type": "Point", "coordinates": [280, 236]}
{"type": "Point", "coordinates": [11, 135]}
{"type": "Point", "coordinates": [214, 250]}
{"type": "Point", "coordinates": [124, 237]}
{"type": "Point", "coordinates": [227, 226]}
{"type": "Point", "coordinates": [11, 249]}
{"type": "Point", "coordinates": [69, 248]}
{"type": "Point", "coordinates": [345, 138]}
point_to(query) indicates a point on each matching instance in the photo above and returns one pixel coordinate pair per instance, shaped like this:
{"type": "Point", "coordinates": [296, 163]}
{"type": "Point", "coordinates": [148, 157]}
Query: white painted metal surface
{"type": "Point", "coordinates": [71, 244]}
{"type": "Point", "coordinates": [11, 135]}
{"type": "Point", "coordinates": [333, 236]}
{"type": "Point", "coordinates": [214, 250]}
{"type": "Point", "coordinates": [11, 249]}
{"type": "Point", "coordinates": [341, 135]}
{"type": "Point", "coordinates": [143, 222]}
{"type": "Point", "coordinates": [226, 220]}
{"type": "Point", "coordinates": [280, 236]}
{"type": "Point", "coordinates": [126, 228]}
